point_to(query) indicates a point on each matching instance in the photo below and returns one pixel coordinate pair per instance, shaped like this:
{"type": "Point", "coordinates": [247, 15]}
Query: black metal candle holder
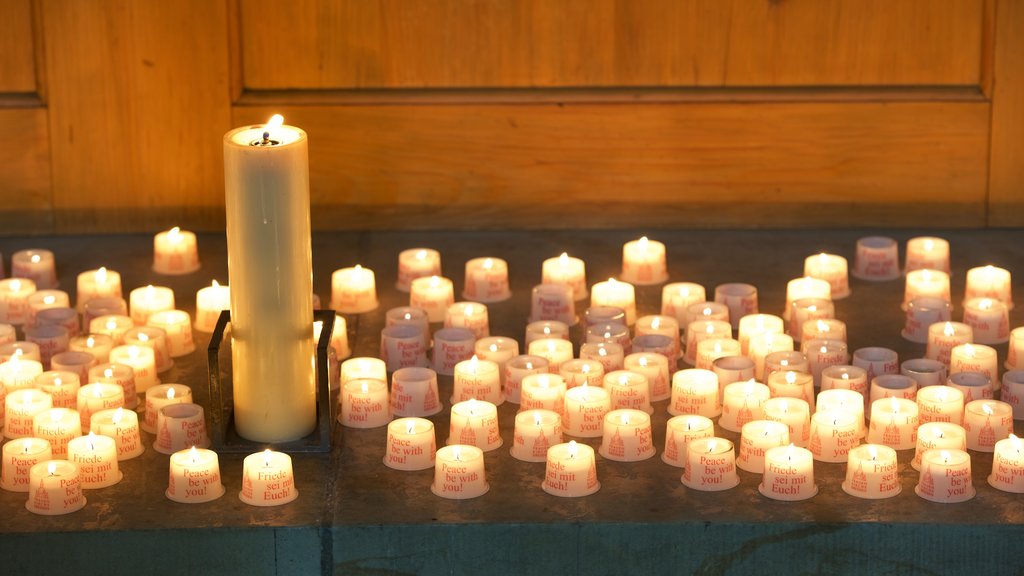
{"type": "Point", "coordinates": [223, 435]}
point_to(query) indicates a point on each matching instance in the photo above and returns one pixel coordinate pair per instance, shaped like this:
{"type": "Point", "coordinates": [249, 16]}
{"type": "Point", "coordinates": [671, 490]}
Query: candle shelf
{"type": "Point", "coordinates": [224, 437]}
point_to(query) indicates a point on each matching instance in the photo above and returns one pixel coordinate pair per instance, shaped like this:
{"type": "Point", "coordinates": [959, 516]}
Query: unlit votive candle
{"type": "Point", "coordinates": [893, 385]}
{"type": "Point", "coordinates": [1013, 392]}
{"type": "Point", "coordinates": [417, 263]}
{"type": "Point", "coordinates": [179, 426]}
{"type": "Point", "coordinates": [973, 385]}
{"type": "Point", "coordinates": [795, 414]}
{"type": "Point", "coordinates": [74, 361]}
{"type": "Point", "coordinates": [924, 371]}
{"type": "Point", "coordinates": [63, 316]}
{"type": "Point", "coordinates": [989, 282]}
{"type": "Point", "coordinates": [740, 298]}
{"type": "Point", "coordinates": [677, 297]}
{"type": "Point", "coordinates": [459, 472]}
{"type": "Point", "coordinates": [535, 432]}
{"type": "Point", "coordinates": [731, 369]}
{"type": "Point", "coordinates": [695, 391]}
{"type": "Point", "coordinates": [679, 432]}
{"type": "Point", "coordinates": [990, 320]}
{"type": "Point", "coordinates": [832, 269]}
{"type": "Point", "coordinates": [743, 402]}
{"type": "Point", "coordinates": [643, 262]}
{"type": "Point", "coordinates": [872, 472]}
{"type": "Point", "coordinates": [566, 270]}
{"type": "Point", "coordinates": [938, 435]}
{"type": "Point", "coordinates": [877, 259]}
{"type": "Point", "coordinates": [364, 403]}
{"type": "Point", "coordinates": [987, 422]}
{"type": "Point", "coordinates": [945, 476]}
{"type": "Point", "coordinates": [411, 444]}
{"type": "Point", "coordinates": [710, 465]}
{"type": "Point", "coordinates": [475, 423]}
{"type": "Point", "coordinates": [553, 302]}
{"type": "Point", "coordinates": [876, 360]}
{"type": "Point", "coordinates": [414, 392]}
{"type": "Point", "coordinates": [627, 436]}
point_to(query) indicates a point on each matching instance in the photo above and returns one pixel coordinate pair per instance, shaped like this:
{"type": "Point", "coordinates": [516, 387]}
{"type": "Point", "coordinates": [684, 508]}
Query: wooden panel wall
{"type": "Point", "coordinates": [513, 113]}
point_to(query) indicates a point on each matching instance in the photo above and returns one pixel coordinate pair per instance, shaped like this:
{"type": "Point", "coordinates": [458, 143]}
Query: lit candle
{"type": "Point", "coordinates": [542, 392]}
{"type": "Point", "coordinates": [475, 423]}
{"type": "Point", "coordinates": [695, 391]}
{"type": "Point", "coordinates": [663, 325]}
{"type": "Point", "coordinates": [96, 457]}
{"type": "Point", "coordinates": [99, 283]}
{"type": "Point", "coordinates": [37, 265]}
{"type": "Point", "coordinates": [626, 436]}
{"type": "Point", "coordinates": [1015, 356]}
{"type": "Point", "coordinates": [989, 282]}
{"type": "Point", "coordinates": [974, 358]}
{"type": "Point", "coordinates": [62, 386]}
{"type": "Point", "coordinates": [270, 274]}
{"type": "Point", "coordinates": [655, 368]}
{"type": "Point", "coordinates": [761, 345]}
{"type": "Point", "coordinates": [194, 476]}
{"type": "Point", "coordinates": [175, 252]}
{"type": "Point", "coordinates": [710, 465]}
{"type": "Point", "coordinates": [547, 329]}
{"type": "Point", "coordinates": [517, 369]}
{"type": "Point", "coordinates": [210, 302]}
{"type": "Point", "coordinates": [823, 329]}
{"type": "Point", "coordinates": [566, 270]}
{"type": "Point", "coordinates": [178, 326]}
{"type": "Point", "coordinates": [846, 401]}
{"type": "Point", "coordinates": [833, 435]}
{"type": "Point", "coordinates": [739, 298]}
{"type": "Point", "coordinates": [571, 471]}
{"type": "Point", "coordinates": [54, 488]}
{"type": "Point", "coordinates": [18, 373]}
{"type": "Point", "coordinates": [679, 432]}
{"type": "Point", "coordinates": [788, 474]}
{"type": "Point", "coordinates": [754, 324]}
{"type": "Point", "coordinates": [617, 294]}
{"type": "Point", "coordinates": [268, 479]}
{"type": "Point", "coordinates": [24, 350]}
{"type": "Point", "coordinates": [743, 402]}
{"type": "Point", "coordinates": [113, 325]}
{"type": "Point", "coordinates": [629, 389]}
{"type": "Point", "coordinates": [417, 263]}
{"type": "Point", "coordinates": [1008, 465]}
{"type": "Point", "coordinates": [475, 378]}
{"type": "Point", "coordinates": [95, 397]}
{"type": "Point", "coordinates": [45, 300]}
{"type": "Point", "coordinates": [179, 426]}
{"type": "Point", "coordinates": [121, 425]}
{"type": "Point", "coordinates": [486, 280]}
{"type": "Point", "coordinates": [459, 473]}
{"type": "Point", "coordinates": [926, 283]}
{"type": "Point", "coordinates": [823, 354]}
{"type": "Point", "coordinates": [433, 295]}
{"type": "Point", "coordinates": [585, 408]}
{"type": "Point", "coordinates": [98, 345]}
{"type": "Point", "coordinates": [57, 426]}
{"type": "Point", "coordinates": [142, 302]}
{"type": "Point", "coordinates": [353, 290]}
{"type": "Point", "coordinates": [163, 395]}
{"type": "Point", "coordinates": [20, 410]}
{"type": "Point", "coordinates": [104, 306]}
{"type": "Point", "coordinates": [555, 350]}
{"type": "Point", "coordinates": [790, 384]}
{"type": "Point", "coordinates": [14, 295]}
{"type": "Point", "coordinates": [893, 423]}
{"type": "Point", "coordinates": [701, 330]}
{"type": "Point", "coordinates": [643, 262]}
{"type": "Point", "coordinates": [805, 287]}
{"type": "Point", "coordinates": [927, 252]}
{"type": "Point", "coordinates": [410, 444]}
{"type": "Point", "coordinates": [677, 297]}
{"type": "Point", "coordinates": [938, 435]}
{"type": "Point", "coordinates": [142, 361]}
{"type": "Point", "coordinates": [944, 336]}
{"type": "Point", "coordinates": [832, 269]}
{"type": "Point", "coordinates": [795, 414]}
{"type": "Point", "coordinates": [872, 473]}
{"type": "Point", "coordinates": [580, 372]}
{"type": "Point", "coordinates": [973, 385]}
{"type": "Point", "coordinates": [498, 349]}
{"type": "Point", "coordinates": [535, 431]}
{"type": "Point", "coordinates": [945, 476]}
{"type": "Point", "coordinates": [805, 310]}
{"type": "Point", "coordinates": [469, 315]}
{"type": "Point", "coordinates": [876, 361]}
{"type": "Point", "coordinates": [845, 377]}
{"type": "Point", "coordinates": [710, 350]}
{"type": "Point", "coordinates": [987, 422]}
{"type": "Point", "coordinates": [876, 259]}
{"type": "Point", "coordinates": [756, 437]}
{"type": "Point", "coordinates": [940, 404]}
{"type": "Point", "coordinates": [990, 320]}
{"type": "Point", "coordinates": [363, 368]}
{"type": "Point", "coordinates": [785, 360]}
{"type": "Point", "coordinates": [156, 340]}
{"type": "Point", "coordinates": [414, 392]}
{"type": "Point", "coordinates": [612, 332]}
{"type": "Point", "coordinates": [18, 458]}
{"type": "Point", "coordinates": [364, 403]}
{"type": "Point", "coordinates": [609, 354]}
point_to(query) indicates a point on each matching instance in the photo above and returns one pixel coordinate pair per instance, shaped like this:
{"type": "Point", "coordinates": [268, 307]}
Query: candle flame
{"type": "Point", "coordinates": [969, 350]}
{"type": "Point", "coordinates": [118, 415]}
{"type": "Point", "coordinates": [474, 363]}
{"type": "Point", "coordinates": [573, 449]}
{"type": "Point", "coordinates": [266, 458]}
{"type": "Point", "coordinates": [408, 316]}
{"type": "Point", "coordinates": [421, 255]}
{"type": "Point", "coordinates": [941, 394]}
{"type": "Point", "coordinates": [537, 419]}
{"type": "Point", "coordinates": [563, 260]}
{"type": "Point", "coordinates": [133, 352]}
{"type": "Point", "coordinates": [51, 468]}
{"type": "Point", "coordinates": [143, 337]}
{"type": "Point", "coordinates": [602, 351]}
{"type": "Point", "coordinates": [894, 404]}
{"type": "Point", "coordinates": [410, 426]}
{"type": "Point", "coordinates": [824, 350]}
{"type": "Point", "coordinates": [706, 311]}
{"type": "Point", "coordinates": [987, 409]}
{"type": "Point", "coordinates": [364, 387]}
{"type": "Point", "coordinates": [101, 275]}
{"type": "Point", "coordinates": [948, 330]}
{"type": "Point", "coordinates": [625, 418]}
{"type": "Point", "coordinates": [623, 380]}
{"type": "Point", "coordinates": [35, 258]}
{"type": "Point", "coordinates": [489, 263]}
{"type": "Point", "coordinates": [790, 451]}
{"type": "Point", "coordinates": [790, 377]}
{"type": "Point", "coordinates": [873, 452]}
{"type": "Point", "coordinates": [710, 329]}
{"type": "Point", "coordinates": [643, 361]}
{"type": "Point", "coordinates": [493, 347]}
{"type": "Point", "coordinates": [97, 392]}
{"type": "Point", "coordinates": [174, 235]}
{"type": "Point", "coordinates": [170, 393]}
{"type": "Point", "coordinates": [823, 326]}
{"type": "Point", "coordinates": [813, 308]}
{"type": "Point", "coordinates": [56, 415]}
{"type": "Point", "coordinates": [985, 304]}
{"type": "Point", "coordinates": [214, 284]}
{"type": "Point", "coordinates": [585, 369]}
{"type": "Point", "coordinates": [90, 342]}
{"type": "Point", "coordinates": [612, 281]}
{"type": "Point", "coordinates": [656, 323]}
{"type": "Point", "coordinates": [945, 456]}
{"type": "Point", "coordinates": [49, 299]}
{"type": "Point", "coordinates": [111, 324]}
{"type": "Point", "coordinates": [529, 365]}
{"type": "Point", "coordinates": [718, 347]}
{"type": "Point", "coordinates": [784, 362]}
{"type": "Point", "coordinates": [91, 439]}
{"type": "Point", "coordinates": [471, 405]}
{"type": "Point", "coordinates": [684, 292]}
{"type": "Point", "coordinates": [748, 388]}
{"type": "Point", "coordinates": [938, 433]}
{"type": "Point", "coordinates": [435, 281]}
{"type": "Point", "coordinates": [711, 446]}
{"type": "Point", "coordinates": [845, 376]}
{"type": "Point", "coordinates": [275, 122]}
{"type": "Point", "coordinates": [642, 243]}
{"type": "Point", "coordinates": [1015, 442]}
{"type": "Point", "coordinates": [193, 455]}
{"type": "Point", "coordinates": [607, 335]}
{"type": "Point", "coordinates": [468, 310]}
{"type": "Point", "coordinates": [784, 406]}
{"type": "Point", "coordinates": [457, 453]}
{"type": "Point", "coordinates": [926, 275]}
{"type": "Point", "coordinates": [928, 245]}
{"type": "Point", "coordinates": [57, 381]}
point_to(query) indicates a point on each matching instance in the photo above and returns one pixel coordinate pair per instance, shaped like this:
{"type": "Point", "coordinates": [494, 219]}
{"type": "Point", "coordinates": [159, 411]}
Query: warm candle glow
{"type": "Point", "coordinates": [987, 409]}
{"type": "Point", "coordinates": [170, 393]}
{"type": "Point", "coordinates": [949, 331]}
{"type": "Point", "coordinates": [790, 377]}
{"type": "Point", "coordinates": [118, 415]}
{"type": "Point", "coordinates": [573, 449]}
{"type": "Point", "coordinates": [101, 275]}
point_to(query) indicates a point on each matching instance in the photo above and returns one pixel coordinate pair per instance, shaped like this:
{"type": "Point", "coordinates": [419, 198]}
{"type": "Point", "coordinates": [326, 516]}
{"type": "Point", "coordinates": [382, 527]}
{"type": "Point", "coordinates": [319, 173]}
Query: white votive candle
{"type": "Point", "coordinates": [1008, 465]}
{"type": "Point", "coordinates": [162, 395]}
{"type": "Point", "coordinates": [974, 358]}
{"type": "Point", "coordinates": [57, 426]}
{"type": "Point", "coordinates": [643, 262]}
{"type": "Point", "coordinates": [990, 320]}
{"type": "Point", "coordinates": [677, 297]}
{"type": "Point", "coordinates": [832, 269]}
{"type": "Point", "coordinates": [20, 410]}
{"type": "Point", "coordinates": [14, 295]}
{"type": "Point", "coordinates": [175, 252]}
{"type": "Point", "coordinates": [469, 315]}
{"type": "Point", "coordinates": [143, 302]}
{"type": "Point", "coordinates": [99, 283]}
{"type": "Point", "coordinates": [417, 263]}
{"type": "Point", "coordinates": [940, 404]}
{"type": "Point", "coordinates": [788, 474]}
{"type": "Point", "coordinates": [535, 432]}
{"type": "Point", "coordinates": [54, 488]}
{"type": "Point", "coordinates": [626, 436]}
{"type": "Point", "coordinates": [268, 479]}
{"type": "Point", "coordinates": [18, 458]}
{"type": "Point", "coordinates": [542, 392]}
{"type": "Point", "coordinates": [546, 329]}
{"type": "Point", "coordinates": [609, 354]}
{"type": "Point", "coordinates": [629, 390]}
{"type": "Point", "coordinates": [433, 295]}
{"type": "Point", "coordinates": [178, 326]}
{"type": "Point", "coordinates": [98, 345]}
{"type": "Point", "coordinates": [743, 402]}
{"type": "Point", "coordinates": [98, 396]}
{"type": "Point", "coordinates": [18, 373]}
{"type": "Point", "coordinates": [156, 340]}
{"type": "Point", "coordinates": [414, 392]}
{"type": "Point", "coordinates": [62, 386]}
{"type": "Point", "coordinates": [179, 426]}
{"type": "Point", "coordinates": [121, 425]}
{"type": "Point", "coordinates": [210, 302]}
{"type": "Point", "coordinates": [795, 414]}
{"type": "Point", "coordinates": [926, 283]}
{"type": "Point", "coordinates": [585, 408]}
{"type": "Point", "coordinates": [833, 435]}
{"type": "Point", "coordinates": [194, 476]}
{"type": "Point", "coordinates": [566, 270]}
{"type": "Point", "coordinates": [989, 282]}
{"type": "Point", "coordinates": [938, 435]}
{"type": "Point", "coordinates": [617, 294]}
{"type": "Point", "coordinates": [475, 423]}
{"type": "Point", "coordinates": [480, 379]}
{"type": "Point", "coordinates": [927, 252]}
{"type": "Point", "coordinates": [872, 472]}
{"type": "Point", "coordinates": [893, 423]}
{"type": "Point", "coordinates": [364, 403]}
{"type": "Point", "coordinates": [555, 350]}
{"type": "Point", "coordinates": [36, 264]}
{"type": "Point", "coordinates": [517, 369]}
{"type": "Point", "coordinates": [579, 372]}
{"type": "Point", "coordinates": [756, 437]}
{"type": "Point", "coordinates": [411, 444]}
{"type": "Point", "coordinates": [754, 324]}
{"type": "Point", "coordinates": [805, 287]}
{"type": "Point", "coordinates": [945, 476]}
{"type": "Point", "coordinates": [96, 457]}
{"type": "Point", "coordinates": [571, 471]}
{"type": "Point", "coordinates": [486, 280]}
{"type": "Point", "coordinates": [353, 290]}
{"type": "Point", "coordinates": [710, 465]}
{"type": "Point", "coordinates": [655, 368]}
{"type": "Point", "coordinates": [459, 472]}
{"type": "Point", "coordinates": [142, 361]}
{"type": "Point", "coordinates": [944, 336]}
{"type": "Point", "coordinates": [679, 432]}
{"type": "Point", "coordinates": [695, 391]}
{"type": "Point", "coordinates": [987, 422]}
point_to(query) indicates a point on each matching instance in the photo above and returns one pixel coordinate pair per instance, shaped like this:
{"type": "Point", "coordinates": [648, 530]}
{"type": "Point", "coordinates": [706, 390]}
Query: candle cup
{"type": "Point", "coordinates": [498, 349]}
{"type": "Point", "coordinates": [486, 280]}
{"type": "Point", "coordinates": [20, 410]}
{"type": "Point", "coordinates": [761, 345]}
{"type": "Point", "coordinates": [756, 437]}
{"type": "Point", "coordinates": [142, 360]}
{"type": "Point", "coordinates": [792, 384]}
{"type": "Point", "coordinates": [894, 423]}
{"type": "Point", "coordinates": [695, 391]}
{"type": "Point", "coordinates": [66, 317]}
{"type": "Point", "coordinates": [542, 392]}
{"type": "Point", "coordinates": [14, 295]}
{"type": "Point", "coordinates": [823, 354]}
{"type": "Point", "coordinates": [417, 263]}
{"type": "Point", "coordinates": [579, 372]}
{"type": "Point", "coordinates": [451, 346]}
{"type": "Point", "coordinates": [58, 426]}
{"type": "Point", "coordinates": [411, 444]}
{"type": "Point", "coordinates": [945, 477]}
{"type": "Point", "coordinates": [354, 290]}
{"type": "Point", "coordinates": [37, 265]}
{"type": "Point", "coordinates": [989, 319]}
{"type": "Point", "coordinates": [629, 390]}
{"type": "Point", "coordinates": [105, 306]}
{"type": "Point", "coordinates": [741, 299]}
{"type": "Point", "coordinates": [679, 432]}
{"type": "Point", "coordinates": [731, 369]}
{"type": "Point", "coordinates": [677, 297]}
{"type": "Point", "coordinates": [553, 302]}
{"type": "Point", "coordinates": [925, 371]}
{"type": "Point", "coordinates": [788, 474]}
{"type": "Point", "coordinates": [121, 425]}
{"type": "Point", "coordinates": [975, 358]}
{"type": "Point", "coordinates": [364, 403]}
{"type": "Point", "coordinates": [743, 402]}
{"type": "Point", "coordinates": [803, 310]}
{"type": "Point", "coordinates": [74, 361]}
{"type": "Point", "coordinates": [1013, 392]}
{"type": "Point", "coordinates": [596, 315]}
{"type": "Point", "coordinates": [612, 333]}
{"type": "Point", "coordinates": [805, 288]}
{"type": "Point", "coordinates": [943, 337]}
{"type": "Point", "coordinates": [459, 473]}
{"type": "Point", "coordinates": [45, 300]}
{"type": "Point", "coordinates": [566, 270]}
{"type": "Point", "coordinates": [626, 436]}
{"type": "Point", "coordinates": [710, 465]}
{"type": "Point", "coordinates": [707, 311]}
{"type": "Point", "coordinates": [475, 423]}
{"type": "Point", "coordinates": [62, 386]}
{"type": "Point", "coordinates": [785, 361]}
{"type": "Point", "coordinates": [433, 295]}
{"type": "Point", "coordinates": [478, 379]}
{"type": "Point", "coordinates": [194, 477]}
{"type": "Point", "coordinates": [795, 414]}
{"type": "Point", "coordinates": [268, 479]}
{"type": "Point", "coordinates": [51, 340]}
{"type": "Point", "coordinates": [18, 458]}
{"type": "Point", "coordinates": [54, 488]}
{"type": "Point", "coordinates": [700, 330]}
{"type": "Point", "coordinates": [547, 329]}
{"type": "Point", "coordinates": [754, 324]}
{"type": "Point", "coordinates": [163, 395]}
{"type": "Point", "coordinates": [938, 435]}
{"type": "Point", "coordinates": [143, 302]}
{"type": "Point", "coordinates": [210, 302]}
{"type": "Point", "coordinates": [18, 373]}
{"type": "Point", "coordinates": [362, 367]}
{"type": "Point", "coordinates": [402, 346]}
{"type": "Point", "coordinates": [872, 472]}
{"type": "Point", "coordinates": [98, 345]}
{"type": "Point", "coordinates": [178, 326]}
{"type": "Point", "coordinates": [517, 369]}
{"type": "Point", "coordinates": [100, 283]}
{"type": "Point", "coordinates": [155, 339]}
{"type": "Point", "coordinates": [927, 252]}
{"type": "Point", "coordinates": [823, 329]}
{"type": "Point", "coordinates": [987, 422]}
{"type": "Point", "coordinates": [535, 432]}
{"type": "Point", "coordinates": [973, 385]}
{"type": "Point", "coordinates": [989, 282]}
{"type": "Point", "coordinates": [833, 435]}
{"type": "Point", "coordinates": [175, 252]}
{"type": "Point", "coordinates": [615, 294]}
{"type": "Point", "coordinates": [98, 396]}
{"type": "Point", "coordinates": [96, 457]}
{"type": "Point", "coordinates": [555, 350]}
{"type": "Point", "coordinates": [1008, 466]}
{"type": "Point", "coordinates": [892, 386]}
{"type": "Point", "coordinates": [940, 404]}
{"type": "Point", "coordinates": [585, 409]}
{"type": "Point", "coordinates": [926, 283]}
{"type": "Point", "coordinates": [664, 325]}
{"type": "Point", "coordinates": [710, 350]}
{"type": "Point", "coordinates": [877, 259]}
{"type": "Point", "coordinates": [414, 392]}
{"type": "Point", "coordinates": [832, 269]}
{"type": "Point", "coordinates": [610, 355]}
{"type": "Point", "coordinates": [643, 262]}
{"type": "Point", "coordinates": [24, 350]}
{"type": "Point", "coordinates": [469, 315]}
{"type": "Point", "coordinates": [571, 471]}
{"type": "Point", "coordinates": [655, 368]}
{"type": "Point", "coordinates": [876, 361]}
{"type": "Point", "coordinates": [179, 426]}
